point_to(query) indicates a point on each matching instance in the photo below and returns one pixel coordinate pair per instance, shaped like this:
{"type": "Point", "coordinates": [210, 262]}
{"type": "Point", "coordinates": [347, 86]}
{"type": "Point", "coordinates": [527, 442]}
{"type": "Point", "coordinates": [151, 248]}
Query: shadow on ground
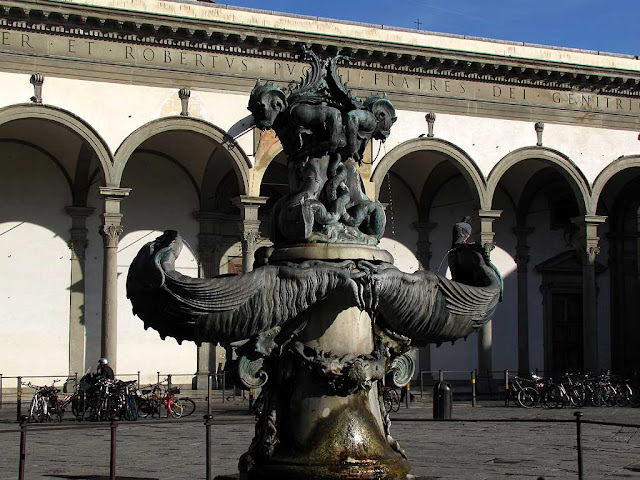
{"type": "Point", "coordinates": [98, 477]}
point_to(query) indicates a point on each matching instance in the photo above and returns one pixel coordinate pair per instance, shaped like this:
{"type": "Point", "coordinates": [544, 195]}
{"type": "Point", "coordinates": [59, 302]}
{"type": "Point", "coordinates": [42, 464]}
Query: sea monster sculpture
{"type": "Point", "coordinates": [324, 318]}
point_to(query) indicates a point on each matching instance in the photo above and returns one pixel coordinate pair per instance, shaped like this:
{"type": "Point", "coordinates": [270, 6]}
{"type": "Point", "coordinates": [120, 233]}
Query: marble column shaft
{"type": "Point", "coordinates": [588, 250]}
{"type": "Point", "coordinates": [485, 334]}
{"type": "Point", "coordinates": [111, 231]}
{"type": "Point", "coordinates": [522, 261]}
{"type": "Point", "coordinates": [77, 330]}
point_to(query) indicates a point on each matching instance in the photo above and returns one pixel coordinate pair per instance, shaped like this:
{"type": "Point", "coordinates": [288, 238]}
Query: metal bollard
{"type": "Point", "coordinates": [440, 375]}
{"type": "Point", "coordinates": [169, 416]}
{"type": "Point", "coordinates": [0, 391]}
{"type": "Point", "coordinates": [138, 378]}
{"type": "Point", "coordinates": [23, 446]}
{"type": "Point", "coordinates": [209, 392]}
{"type": "Point", "coordinates": [19, 399]}
{"type": "Point", "coordinates": [506, 388]}
{"type": "Point", "coordinates": [224, 386]}
{"type": "Point", "coordinates": [421, 385]}
{"type": "Point", "coordinates": [158, 378]}
{"type": "Point", "coordinates": [578, 416]}
{"type": "Point", "coordinates": [112, 463]}
{"type": "Point", "coordinates": [207, 424]}
{"type": "Point", "coordinates": [473, 388]}
{"type": "Point", "coordinates": [407, 397]}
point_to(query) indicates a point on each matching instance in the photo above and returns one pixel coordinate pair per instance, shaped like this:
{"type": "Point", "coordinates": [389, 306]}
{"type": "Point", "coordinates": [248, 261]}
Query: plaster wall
{"type": "Point", "coordinates": [35, 262]}
{"type": "Point", "coordinates": [161, 198]}
{"type": "Point", "coordinates": [488, 140]}
{"type": "Point", "coordinates": [116, 110]}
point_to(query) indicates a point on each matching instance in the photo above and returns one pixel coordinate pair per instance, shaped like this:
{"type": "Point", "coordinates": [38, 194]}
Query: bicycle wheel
{"type": "Point", "coordinates": [55, 411]}
{"type": "Point", "coordinates": [176, 408]}
{"type": "Point", "coordinates": [37, 409]}
{"type": "Point", "coordinates": [386, 400]}
{"type": "Point", "coordinates": [189, 406]}
{"type": "Point", "coordinates": [395, 400]}
{"type": "Point", "coordinates": [528, 397]}
{"type": "Point", "coordinates": [635, 397]}
{"type": "Point", "coordinates": [552, 398]}
{"type": "Point", "coordinates": [130, 408]}
{"type": "Point", "coordinates": [144, 408]}
{"type": "Point", "coordinates": [623, 396]}
{"type": "Point", "coordinates": [609, 396]}
{"type": "Point", "coordinates": [576, 397]}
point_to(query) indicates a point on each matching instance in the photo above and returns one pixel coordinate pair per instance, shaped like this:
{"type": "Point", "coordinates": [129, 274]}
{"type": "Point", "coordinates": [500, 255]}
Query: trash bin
{"type": "Point", "coordinates": [442, 401]}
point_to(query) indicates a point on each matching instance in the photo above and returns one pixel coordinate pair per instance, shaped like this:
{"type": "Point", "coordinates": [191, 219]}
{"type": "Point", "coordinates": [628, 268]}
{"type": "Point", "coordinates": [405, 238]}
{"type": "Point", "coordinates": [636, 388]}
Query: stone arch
{"type": "Point", "coordinates": [263, 159]}
{"type": "Point", "coordinates": [70, 121]}
{"type": "Point", "coordinates": [459, 157]}
{"type": "Point", "coordinates": [240, 161]}
{"type": "Point", "coordinates": [615, 167]}
{"type": "Point", "coordinates": [576, 179]}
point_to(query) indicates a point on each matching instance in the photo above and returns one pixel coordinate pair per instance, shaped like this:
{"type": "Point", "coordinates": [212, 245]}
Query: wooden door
{"type": "Point", "coordinates": [566, 332]}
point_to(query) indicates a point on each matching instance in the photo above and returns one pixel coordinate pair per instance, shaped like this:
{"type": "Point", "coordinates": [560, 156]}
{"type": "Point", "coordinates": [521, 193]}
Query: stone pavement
{"type": "Point", "coordinates": [174, 449]}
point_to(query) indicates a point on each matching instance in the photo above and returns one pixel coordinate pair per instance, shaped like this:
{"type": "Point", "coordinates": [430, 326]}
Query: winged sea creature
{"type": "Point", "coordinates": [423, 306]}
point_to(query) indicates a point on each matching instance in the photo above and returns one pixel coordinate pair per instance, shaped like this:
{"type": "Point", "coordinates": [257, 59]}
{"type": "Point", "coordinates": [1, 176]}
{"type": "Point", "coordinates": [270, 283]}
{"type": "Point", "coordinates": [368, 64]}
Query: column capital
{"type": "Point", "coordinates": [587, 243]}
{"type": "Point", "coordinates": [114, 193]}
{"type": "Point", "coordinates": [486, 228]}
{"type": "Point", "coordinates": [489, 214]}
{"type": "Point", "coordinates": [111, 234]}
{"type": "Point", "coordinates": [79, 212]}
{"type": "Point", "coordinates": [209, 246]}
{"type": "Point", "coordinates": [522, 232]}
{"type": "Point", "coordinates": [423, 227]}
{"type": "Point", "coordinates": [249, 206]}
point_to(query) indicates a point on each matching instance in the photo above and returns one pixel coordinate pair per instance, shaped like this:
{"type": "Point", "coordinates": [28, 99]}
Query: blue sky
{"type": "Point", "coordinates": [588, 24]}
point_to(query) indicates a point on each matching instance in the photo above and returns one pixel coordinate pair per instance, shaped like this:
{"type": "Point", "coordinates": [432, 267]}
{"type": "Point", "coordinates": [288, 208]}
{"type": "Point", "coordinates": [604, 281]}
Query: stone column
{"type": "Point", "coordinates": [209, 247]}
{"type": "Point", "coordinates": [424, 255]}
{"type": "Point", "coordinates": [110, 231]}
{"type": "Point", "coordinates": [424, 244]}
{"type": "Point", "coordinates": [588, 250]}
{"type": "Point", "coordinates": [78, 246]}
{"type": "Point", "coordinates": [249, 227]}
{"type": "Point", "coordinates": [485, 334]}
{"type": "Point", "coordinates": [522, 260]}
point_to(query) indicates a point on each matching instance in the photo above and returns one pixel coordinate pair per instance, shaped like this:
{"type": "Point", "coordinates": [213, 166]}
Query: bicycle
{"type": "Point", "coordinates": [153, 399]}
{"type": "Point", "coordinates": [44, 404]}
{"type": "Point", "coordinates": [391, 399]}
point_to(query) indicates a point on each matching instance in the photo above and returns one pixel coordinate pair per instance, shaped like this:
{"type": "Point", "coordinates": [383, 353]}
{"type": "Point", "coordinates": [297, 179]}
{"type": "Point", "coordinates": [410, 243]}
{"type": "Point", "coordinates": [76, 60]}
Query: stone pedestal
{"type": "Point", "coordinates": [325, 432]}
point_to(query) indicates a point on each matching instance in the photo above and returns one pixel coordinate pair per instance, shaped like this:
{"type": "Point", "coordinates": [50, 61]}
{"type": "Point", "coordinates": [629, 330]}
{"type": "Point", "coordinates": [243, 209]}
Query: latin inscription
{"type": "Point", "coordinates": [288, 71]}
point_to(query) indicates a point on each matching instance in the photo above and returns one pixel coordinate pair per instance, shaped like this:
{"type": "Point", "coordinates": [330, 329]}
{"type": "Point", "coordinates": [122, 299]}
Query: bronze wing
{"type": "Point", "coordinates": [228, 307]}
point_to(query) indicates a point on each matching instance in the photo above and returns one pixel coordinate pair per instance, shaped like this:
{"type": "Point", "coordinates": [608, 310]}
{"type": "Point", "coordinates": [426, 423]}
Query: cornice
{"type": "Point", "coordinates": [211, 36]}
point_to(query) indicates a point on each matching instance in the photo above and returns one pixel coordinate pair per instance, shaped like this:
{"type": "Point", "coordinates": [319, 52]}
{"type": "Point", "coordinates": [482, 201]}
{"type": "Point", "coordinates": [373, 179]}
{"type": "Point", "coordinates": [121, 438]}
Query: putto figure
{"type": "Point", "coordinates": [324, 130]}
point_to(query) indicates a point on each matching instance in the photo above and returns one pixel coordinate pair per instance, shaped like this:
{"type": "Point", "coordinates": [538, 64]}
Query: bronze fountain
{"type": "Point", "coordinates": [325, 317]}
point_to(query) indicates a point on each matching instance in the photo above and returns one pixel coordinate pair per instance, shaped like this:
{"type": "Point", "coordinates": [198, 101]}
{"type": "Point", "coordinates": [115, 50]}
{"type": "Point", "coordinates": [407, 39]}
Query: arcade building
{"type": "Point", "coordinates": [122, 118]}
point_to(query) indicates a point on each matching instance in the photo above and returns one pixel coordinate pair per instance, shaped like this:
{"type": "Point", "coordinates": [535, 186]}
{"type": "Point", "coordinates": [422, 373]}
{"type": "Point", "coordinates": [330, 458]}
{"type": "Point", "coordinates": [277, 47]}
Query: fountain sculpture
{"type": "Point", "coordinates": [325, 317]}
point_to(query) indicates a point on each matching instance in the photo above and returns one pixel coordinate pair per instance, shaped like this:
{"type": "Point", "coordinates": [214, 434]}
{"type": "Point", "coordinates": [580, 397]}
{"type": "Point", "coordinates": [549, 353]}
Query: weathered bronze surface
{"type": "Point", "coordinates": [325, 317]}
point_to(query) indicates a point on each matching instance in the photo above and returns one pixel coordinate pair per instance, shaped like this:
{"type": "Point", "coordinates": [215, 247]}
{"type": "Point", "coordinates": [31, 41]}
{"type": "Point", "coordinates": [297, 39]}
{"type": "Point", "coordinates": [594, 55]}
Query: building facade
{"type": "Point", "coordinates": [122, 118]}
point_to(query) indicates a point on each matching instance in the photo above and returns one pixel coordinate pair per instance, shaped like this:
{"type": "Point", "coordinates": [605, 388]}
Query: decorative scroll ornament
{"type": "Point", "coordinates": [402, 369]}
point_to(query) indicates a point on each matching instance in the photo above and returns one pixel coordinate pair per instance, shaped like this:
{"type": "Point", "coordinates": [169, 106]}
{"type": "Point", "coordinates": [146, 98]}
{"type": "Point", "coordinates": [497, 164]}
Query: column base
{"type": "Point", "coordinates": [200, 381]}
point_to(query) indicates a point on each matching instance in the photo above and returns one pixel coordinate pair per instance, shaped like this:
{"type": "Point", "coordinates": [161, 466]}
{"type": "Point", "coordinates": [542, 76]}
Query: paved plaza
{"type": "Point", "coordinates": [174, 449]}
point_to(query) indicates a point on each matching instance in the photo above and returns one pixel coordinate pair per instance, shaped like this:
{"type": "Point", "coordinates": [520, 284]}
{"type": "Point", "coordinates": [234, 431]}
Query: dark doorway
{"type": "Point", "coordinates": [566, 332]}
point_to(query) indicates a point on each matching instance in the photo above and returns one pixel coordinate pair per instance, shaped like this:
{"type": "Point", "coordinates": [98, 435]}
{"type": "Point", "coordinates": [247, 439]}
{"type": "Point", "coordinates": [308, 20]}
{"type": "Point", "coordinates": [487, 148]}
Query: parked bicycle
{"type": "Point", "coordinates": [154, 399]}
{"type": "Point", "coordinates": [45, 405]}
{"type": "Point", "coordinates": [390, 399]}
